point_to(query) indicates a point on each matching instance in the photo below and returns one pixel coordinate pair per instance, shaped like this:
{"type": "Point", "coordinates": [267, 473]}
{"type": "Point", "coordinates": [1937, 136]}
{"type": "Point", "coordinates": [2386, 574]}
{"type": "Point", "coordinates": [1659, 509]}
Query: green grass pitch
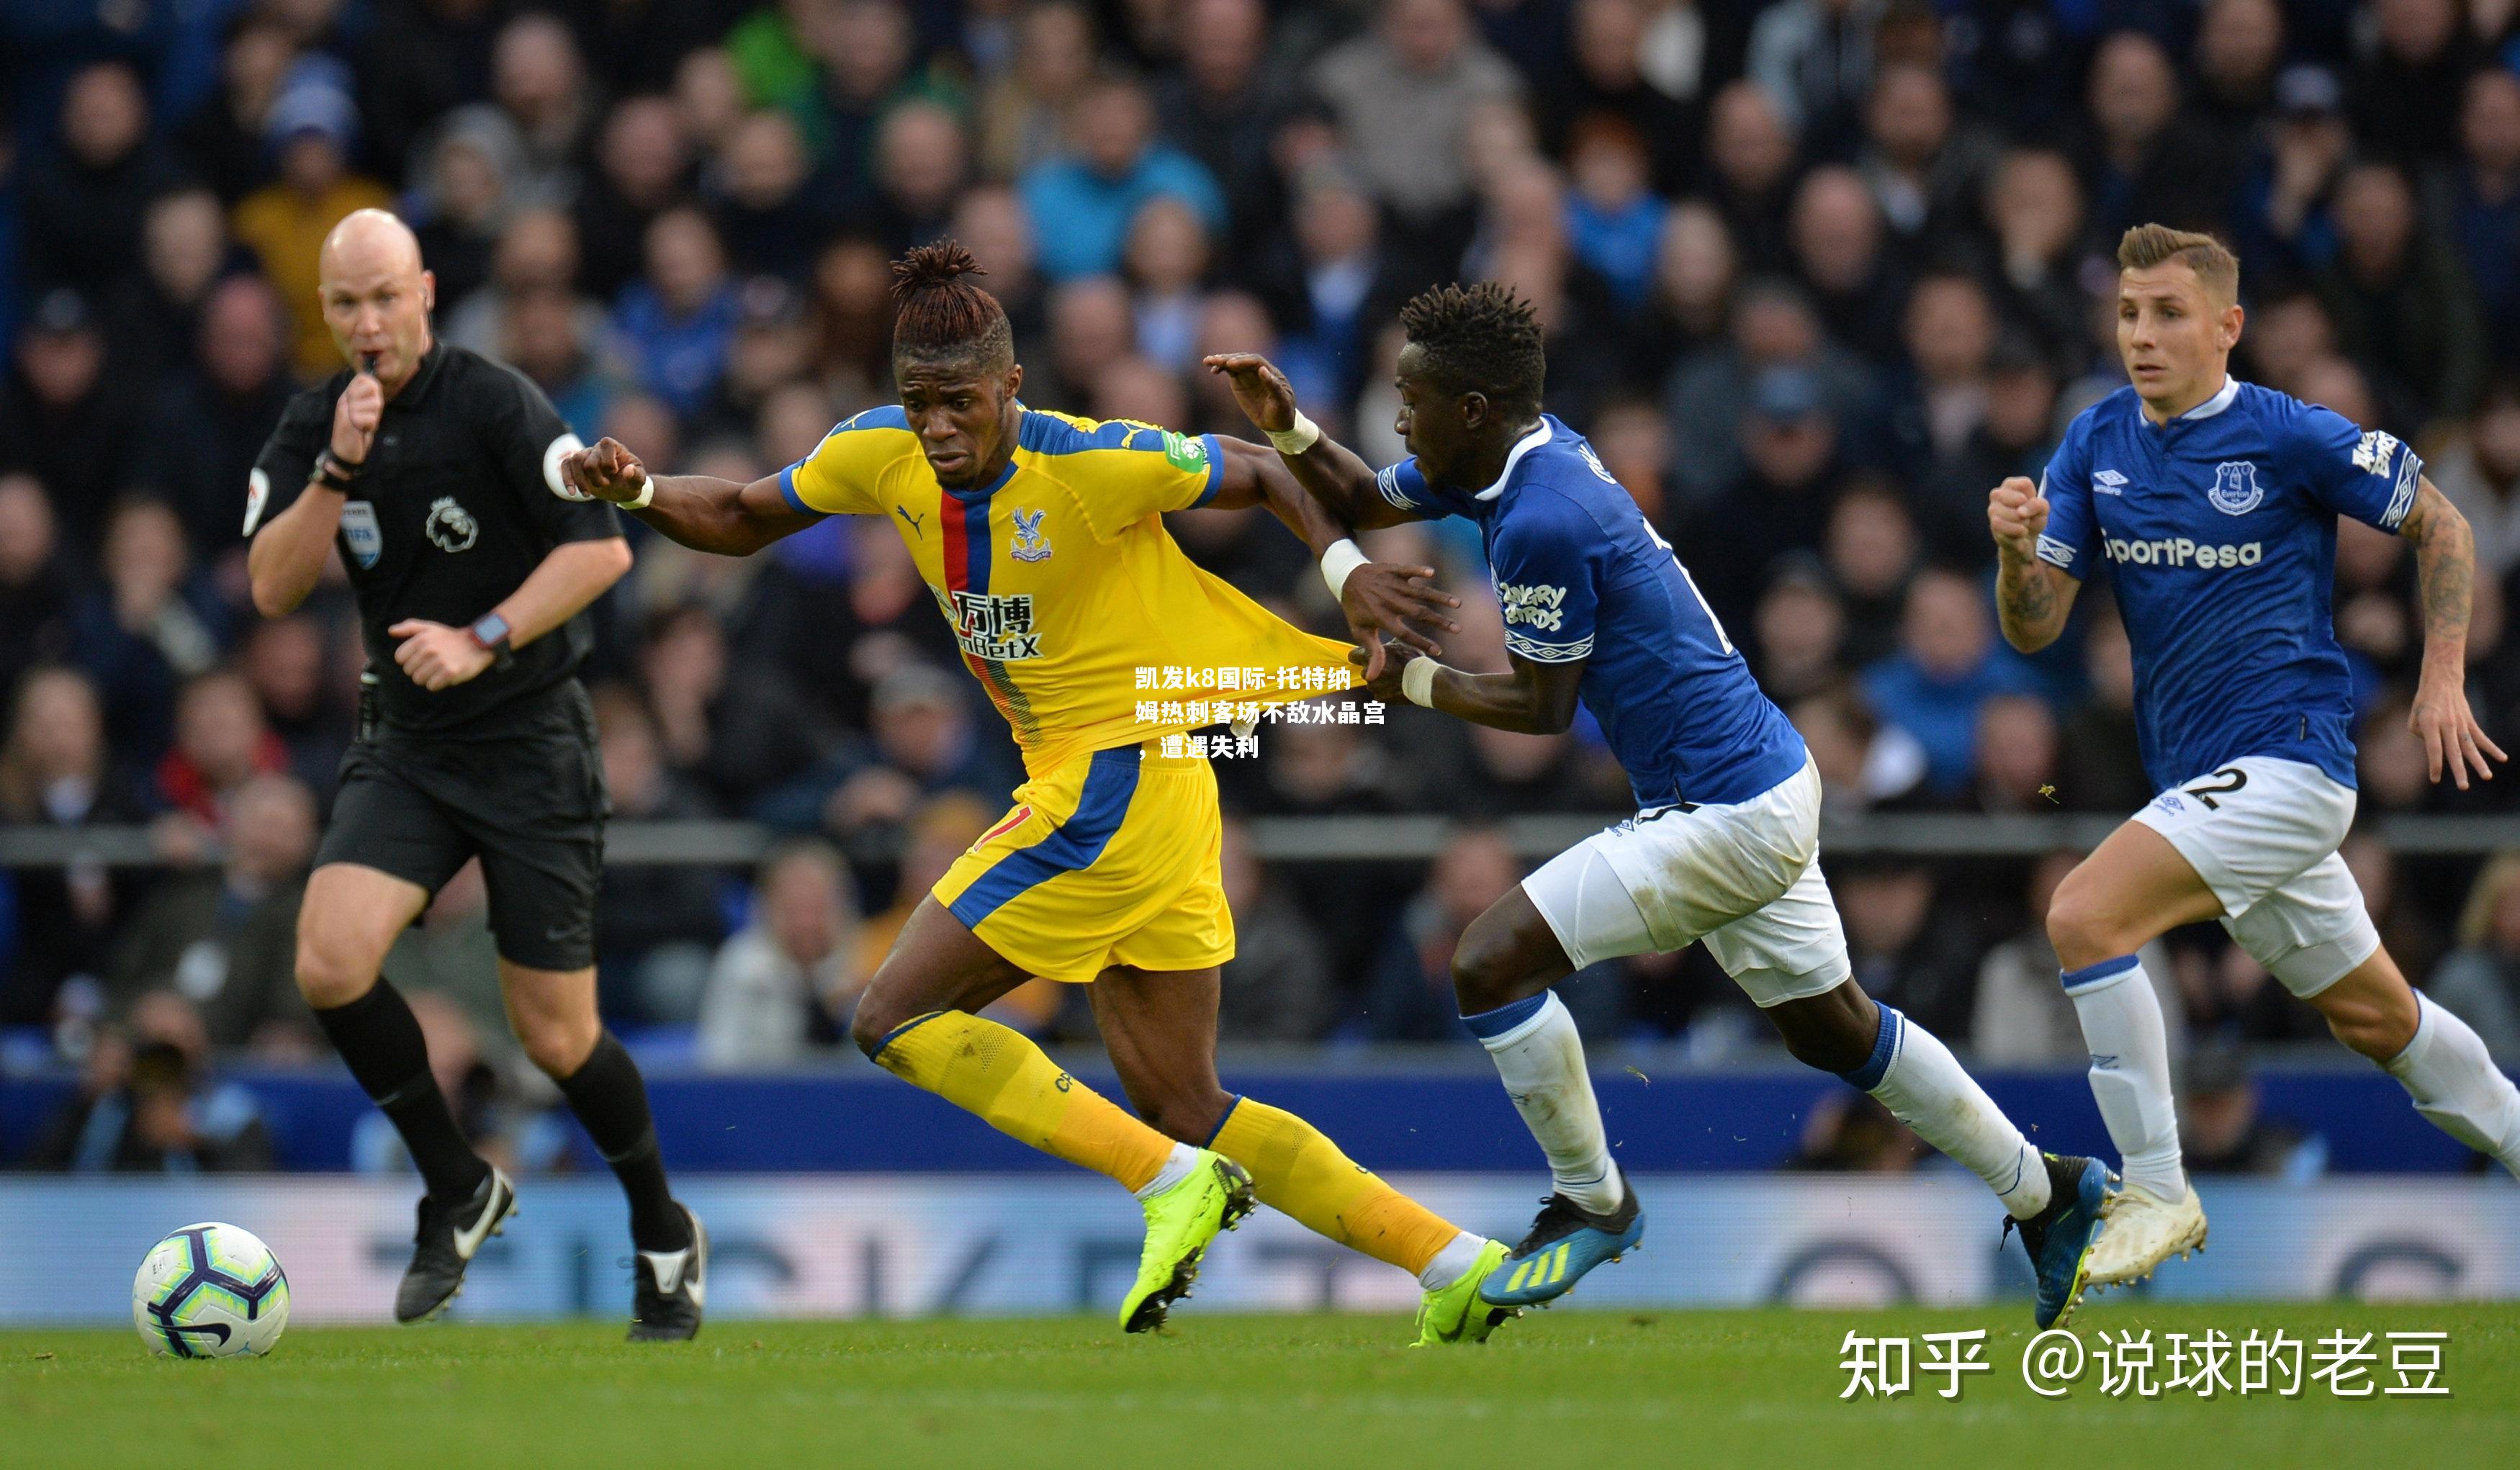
{"type": "Point", "coordinates": [1595, 1389]}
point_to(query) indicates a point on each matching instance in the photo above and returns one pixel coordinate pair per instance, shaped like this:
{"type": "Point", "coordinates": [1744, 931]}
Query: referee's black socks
{"type": "Point", "coordinates": [610, 1097]}
{"type": "Point", "coordinates": [380, 1038]}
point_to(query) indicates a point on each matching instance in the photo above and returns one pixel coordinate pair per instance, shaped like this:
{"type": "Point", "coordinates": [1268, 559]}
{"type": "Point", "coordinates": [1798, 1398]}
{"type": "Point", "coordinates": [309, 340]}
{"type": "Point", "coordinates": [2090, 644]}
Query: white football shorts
{"type": "Point", "coordinates": [1745, 877]}
{"type": "Point", "coordinates": [2263, 835]}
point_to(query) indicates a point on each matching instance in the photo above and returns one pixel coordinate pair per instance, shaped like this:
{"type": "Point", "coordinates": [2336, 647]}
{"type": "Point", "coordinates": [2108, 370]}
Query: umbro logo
{"type": "Point", "coordinates": [2108, 482]}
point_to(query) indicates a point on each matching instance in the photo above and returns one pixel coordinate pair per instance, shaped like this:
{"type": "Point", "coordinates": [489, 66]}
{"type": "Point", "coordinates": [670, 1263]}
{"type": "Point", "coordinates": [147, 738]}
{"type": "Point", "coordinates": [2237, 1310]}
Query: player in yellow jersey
{"type": "Point", "coordinates": [1042, 537]}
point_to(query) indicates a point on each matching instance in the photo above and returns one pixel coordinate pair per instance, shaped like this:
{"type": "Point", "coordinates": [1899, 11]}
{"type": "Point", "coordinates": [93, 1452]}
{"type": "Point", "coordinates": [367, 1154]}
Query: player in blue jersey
{"type": "Point", "coordinates": [1723, 845]}
{"type": "Point", "coordinates": [2213, 504]}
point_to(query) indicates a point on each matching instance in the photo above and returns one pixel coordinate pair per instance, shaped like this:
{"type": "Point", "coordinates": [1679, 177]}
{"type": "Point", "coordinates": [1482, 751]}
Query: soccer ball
{"type": "Point", "coordinates": [209, 1290]}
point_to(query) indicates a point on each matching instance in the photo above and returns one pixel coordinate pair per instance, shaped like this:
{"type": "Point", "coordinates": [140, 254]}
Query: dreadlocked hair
{"type": "Point", "coordinates": [943, 317]}
{"type": "Point", "coordinates": [1479, 338]}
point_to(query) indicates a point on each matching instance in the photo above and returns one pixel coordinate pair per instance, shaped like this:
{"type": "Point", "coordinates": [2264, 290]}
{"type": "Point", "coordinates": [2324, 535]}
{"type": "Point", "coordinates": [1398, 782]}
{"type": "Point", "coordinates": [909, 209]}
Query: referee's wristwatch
{"type": "Point", "coordinates": [492, 633]}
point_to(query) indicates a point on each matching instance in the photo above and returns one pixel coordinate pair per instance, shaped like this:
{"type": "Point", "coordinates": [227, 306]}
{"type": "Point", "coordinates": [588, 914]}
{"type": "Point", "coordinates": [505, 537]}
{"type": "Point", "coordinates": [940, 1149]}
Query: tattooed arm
{"type": "Point", "coordinates": [2032, 598]}
{"type": "Point", "coordinates": [2446, 582]}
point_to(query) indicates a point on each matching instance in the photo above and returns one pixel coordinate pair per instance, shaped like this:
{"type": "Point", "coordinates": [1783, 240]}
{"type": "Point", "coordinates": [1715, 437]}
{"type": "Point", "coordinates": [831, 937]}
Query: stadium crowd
{"type": "Point", "coordinates": [1815, 275]}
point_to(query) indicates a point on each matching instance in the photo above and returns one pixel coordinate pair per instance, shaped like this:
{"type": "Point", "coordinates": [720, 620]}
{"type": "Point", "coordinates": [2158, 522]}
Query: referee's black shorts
{"type": "Point", "coordinates": [528, 800]}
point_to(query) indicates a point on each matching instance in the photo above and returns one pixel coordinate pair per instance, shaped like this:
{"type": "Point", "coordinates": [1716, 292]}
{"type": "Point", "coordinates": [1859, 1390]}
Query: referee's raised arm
{"type": "Point", "coordinates": [376, 298]}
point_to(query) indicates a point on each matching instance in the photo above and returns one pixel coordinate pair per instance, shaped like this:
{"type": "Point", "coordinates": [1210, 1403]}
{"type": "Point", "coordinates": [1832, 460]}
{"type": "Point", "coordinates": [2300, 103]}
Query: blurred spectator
{"type": "Point", "coordinates": [2239, 43]}
{"type": "Point", "coordinates": [1709, 391]}
{"type": "Point", "coordinates": [537, 255]}
{"type": "Point", "coordinates": [2476, 204]}
{"type": "Point", "coordinates": [1839, 251]}
{"type": "Point", "coordinates": [538, 81]}
{"type": "Point", "coordinates": [221, 745]}
{"type": "Point", "coordinates": [2400, 301]}
{"type": "Point", "coordinates": [469, 188]}
{"type": "Point", "coordinates": [1750, 148]}
{"type": "Point", "coordinates": [1950, 331]}
{"type": "Point", "coordinates": [788, 979]}
{"type": "Point", "coordinates": [923, 744]}
{"type": "Point", "coordinates": [655, 922]}
{"type": "Point", "coordinates": [209, 423]}
{"type": "Point", "coordinates": [2480, 471]}
{"type": "Point", "coordinates": [735, 729]}
{"type": "Point", "coordinates": [55, 773]}
{"type": "Point", "coordinates": [2014, 435]}
{"type": "Point", "coordinates": [226, 937]}
{"type": "Point", "coordinates": [769, 209]}
{"type": "Point", "coordinates": [2480, 980]}
{"type": "Point", "coordinates": [221, 142]}
{"type": "Point", "coordinates": [1926, 165]}
{"type": "Point", "coordinates": [1610, 51]}
{"type": "Point", "coordinates": [154, 623]}
{"type": "Point", "coordinates": [2017, 755]}
{"type": "Point", "coordinates": [154, 1107]}
{"type": "Point", "coordinates": [939, 829]}
{"type": "Point", "coordinates": [153, 316]}
{"type": "Point", "coordinates": [1166, 256]}
{"type": "Point", "coordinates": [2138, 162]}
{"type": "Point", "coordinates": [2286, 215]}
{"type": "Point", "coordinates": [1080, 201]}
{"type": "Point", "coordinates": [313, 130]}
{"type": "Point", "coordinates": [2021, 1016]}
{"type": "Point", "coordinates": [284, 660]}
{"type": "Point", "coordinates": [485, 1110]}
{"type": "Point", "coordinates": [1330, 285]}
{"type": "Point", "coordinates": [2406, 90]}
{"type": "Point", "coordinates": [1277, 987]}
{"type": "Point", "coordinates": [1799, 635]}
{"type": "Point", "coordinates": [1221, 104]}
{"type": "Point", "coordinates": [2034, 213]}
{"type": "Point", "coordinates": [1870, 548]}
{"type": "Point", "coordinates": [1946, 665]}
{"type": "Point", "coordinates": [35, 587]}
{"type": "Point", "coordinates": [64, 420]}
{"type": "Point", "coordinates": [2221, 1130]}
{"type": "Point", "coordinates": [1021, 113]}
{"type": "Point", "coordinates": [923, 164]}
{"type": "Point", "coordinates": [676, 320]}
{"type": "Point", "coordinates": [1814, 57]}
{"type": "Point", "coordinates": [2101, 760]}
{"type": "Point", "coordinates": [1904, 952]}
{"type": "Point", "coordinates": [1781, 502]}
{"type": "Point", "coordinates": [1410, 996]}
{"type": "Point", "coordinates": [1402, 93]}
{"type": "Point", "coordinates": [82, 204]}
{"type": "Point", "coordinates": [641, 169]}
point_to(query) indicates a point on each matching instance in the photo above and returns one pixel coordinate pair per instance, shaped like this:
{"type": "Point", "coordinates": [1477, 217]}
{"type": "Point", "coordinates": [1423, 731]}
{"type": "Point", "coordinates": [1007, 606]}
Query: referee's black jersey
{"type": "Point", "coordinates": [452, 510]}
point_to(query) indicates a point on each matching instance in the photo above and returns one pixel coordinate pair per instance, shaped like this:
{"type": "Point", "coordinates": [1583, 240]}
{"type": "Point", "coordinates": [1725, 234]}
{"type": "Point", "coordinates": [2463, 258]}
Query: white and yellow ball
{"type": "Point", "coordinates": [211, 1290]}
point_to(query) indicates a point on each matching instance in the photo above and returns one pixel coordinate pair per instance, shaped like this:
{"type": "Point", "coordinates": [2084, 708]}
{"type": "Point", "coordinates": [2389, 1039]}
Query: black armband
{"type": "Point", "coordinates": [334, 472]}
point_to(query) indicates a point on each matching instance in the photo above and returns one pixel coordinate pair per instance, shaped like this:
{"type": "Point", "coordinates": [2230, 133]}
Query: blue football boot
{"type": "Point", "coordinates": [1566, 1241]}
{"type": "Point", "coordinates": [2060, 1237]}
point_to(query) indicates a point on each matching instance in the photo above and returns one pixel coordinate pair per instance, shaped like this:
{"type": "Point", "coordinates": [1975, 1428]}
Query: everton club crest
{"type": "Point", "coordinates": [2235, 489]}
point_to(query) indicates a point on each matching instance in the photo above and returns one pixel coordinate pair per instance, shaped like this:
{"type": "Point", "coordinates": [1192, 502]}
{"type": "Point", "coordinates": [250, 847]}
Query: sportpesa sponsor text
{"type": "Point", "coordinates": [2171, 550]}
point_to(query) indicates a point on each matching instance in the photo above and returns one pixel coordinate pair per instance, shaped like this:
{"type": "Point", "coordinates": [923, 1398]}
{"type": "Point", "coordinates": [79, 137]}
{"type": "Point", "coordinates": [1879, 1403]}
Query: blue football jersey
{"type": "Point", "coordinates": [2218, 530]}
{"type": "Point", "coordinates": [1582, 574]}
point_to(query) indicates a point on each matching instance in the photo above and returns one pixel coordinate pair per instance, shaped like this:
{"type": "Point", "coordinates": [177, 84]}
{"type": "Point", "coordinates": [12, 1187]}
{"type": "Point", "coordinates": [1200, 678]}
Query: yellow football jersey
{"type": "Point", "coordinates": [1061, 583]}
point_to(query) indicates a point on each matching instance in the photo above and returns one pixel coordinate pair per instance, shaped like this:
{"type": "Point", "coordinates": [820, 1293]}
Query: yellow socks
{"type": "Point", "coordinates": [985, 1068]}
{"type": "Point", "coordinates": [1297, 1169]}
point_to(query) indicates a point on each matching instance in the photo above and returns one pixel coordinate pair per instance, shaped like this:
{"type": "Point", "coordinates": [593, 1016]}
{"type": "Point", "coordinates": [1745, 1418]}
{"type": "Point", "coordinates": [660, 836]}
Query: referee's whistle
{"type": "Point", "coordinates": [368, 363]}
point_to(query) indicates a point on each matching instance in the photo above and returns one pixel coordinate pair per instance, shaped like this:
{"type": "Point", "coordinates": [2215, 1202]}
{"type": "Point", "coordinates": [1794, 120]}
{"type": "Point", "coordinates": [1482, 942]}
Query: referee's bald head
{"type": "Point", "coordinates": [376, 295]}
{"type": "Point", "coordinates": [368, 241]}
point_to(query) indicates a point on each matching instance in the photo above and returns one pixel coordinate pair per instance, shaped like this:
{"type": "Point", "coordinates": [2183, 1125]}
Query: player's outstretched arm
{"type": "Point", "coordinates": [1328, 471]}
{"type": "Point", "coordinates": [1528, 698]}
{"type": "Point", "coordinates": [697, 510]}
{"type": "Point", "coordinates": [1377, 599]}
{"type": "Point", "coordinates": [2445, 583]}
{"type": "Point", "coordinates": [2032, 599]}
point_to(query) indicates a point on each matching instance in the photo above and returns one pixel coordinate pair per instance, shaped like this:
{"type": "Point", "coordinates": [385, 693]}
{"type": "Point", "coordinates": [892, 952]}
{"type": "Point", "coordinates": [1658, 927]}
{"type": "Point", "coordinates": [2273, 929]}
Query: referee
{"type": "Point", "coordinates": [435, 469]}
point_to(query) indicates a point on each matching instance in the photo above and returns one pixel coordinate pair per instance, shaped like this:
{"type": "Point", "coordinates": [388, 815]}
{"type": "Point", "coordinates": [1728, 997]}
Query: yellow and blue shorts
{"type": "Point", "coordinates": [1110, 858]}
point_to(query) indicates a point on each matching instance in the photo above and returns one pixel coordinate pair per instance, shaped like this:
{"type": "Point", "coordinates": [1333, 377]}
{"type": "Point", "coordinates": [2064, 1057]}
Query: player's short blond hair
{"type": "Point", "coordinates": [2217, 269]}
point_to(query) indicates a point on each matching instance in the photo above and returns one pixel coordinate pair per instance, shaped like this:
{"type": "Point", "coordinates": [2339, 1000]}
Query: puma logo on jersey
{"type": "Point", "coordinates": [916, 528]}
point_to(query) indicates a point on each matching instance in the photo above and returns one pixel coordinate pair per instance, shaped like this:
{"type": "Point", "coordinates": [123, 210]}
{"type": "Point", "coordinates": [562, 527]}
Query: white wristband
{"type": "Point", "coordinates": [1343, 558]}
{"type": "Point", "coordinates": [1298, 439]}
{"type": "Point", "coordinates": [1418, 681]}
{"type": "Point", "coordinates": [647, 493]}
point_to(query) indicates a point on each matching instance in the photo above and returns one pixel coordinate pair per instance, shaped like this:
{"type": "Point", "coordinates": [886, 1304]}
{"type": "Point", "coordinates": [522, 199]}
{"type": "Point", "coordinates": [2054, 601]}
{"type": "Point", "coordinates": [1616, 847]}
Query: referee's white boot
{"type": "Point", "coordinates": [2144, 1230]}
